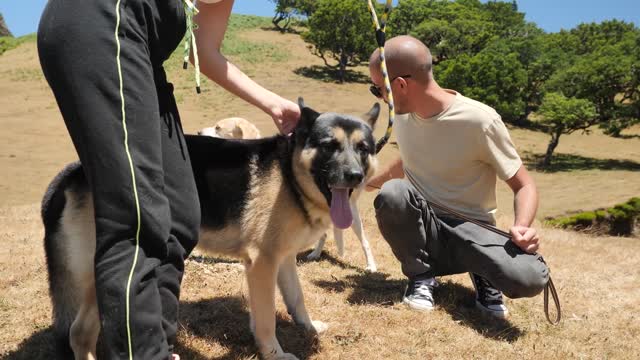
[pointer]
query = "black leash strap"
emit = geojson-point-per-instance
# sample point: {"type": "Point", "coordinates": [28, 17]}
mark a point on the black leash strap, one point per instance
{"type": "Point", "coordinates": [549, 287]}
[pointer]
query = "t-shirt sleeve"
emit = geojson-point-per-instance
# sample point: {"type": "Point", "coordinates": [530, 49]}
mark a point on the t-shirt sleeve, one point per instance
{"type": "Point", "coordinates": [498, 150]}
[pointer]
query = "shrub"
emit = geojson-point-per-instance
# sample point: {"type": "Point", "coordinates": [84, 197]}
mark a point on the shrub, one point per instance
{"type": "Point", "coordinates": [618, 220]}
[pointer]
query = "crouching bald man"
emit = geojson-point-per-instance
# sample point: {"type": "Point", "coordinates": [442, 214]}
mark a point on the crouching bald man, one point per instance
{"type": "Point", "coordinates": [452, 150]}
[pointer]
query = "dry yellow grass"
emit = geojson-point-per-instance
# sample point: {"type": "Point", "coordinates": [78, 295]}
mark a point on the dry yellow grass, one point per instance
{"type": "Point", "coordinates": [597, 277]}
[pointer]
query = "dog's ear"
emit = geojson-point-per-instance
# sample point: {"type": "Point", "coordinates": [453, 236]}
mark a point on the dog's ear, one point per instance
{"type": "Point", "coordinates": [307, 115]}
{"type": "Point", "coordinates": [372, 115]}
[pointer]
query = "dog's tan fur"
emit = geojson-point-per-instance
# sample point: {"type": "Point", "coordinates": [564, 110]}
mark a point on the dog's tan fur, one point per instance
{"type": "Point", "coordinates": [277, 222]}
{"type": "Point", "coordinates": [232, 128]}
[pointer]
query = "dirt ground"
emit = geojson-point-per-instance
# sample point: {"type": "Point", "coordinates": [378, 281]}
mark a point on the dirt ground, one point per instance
{"type": "Point", "coordinates": [597, 277]}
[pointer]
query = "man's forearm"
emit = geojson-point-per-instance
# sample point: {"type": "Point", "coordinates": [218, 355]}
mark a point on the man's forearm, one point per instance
{"type": "Point", "coordinates": [525, 205]}
{"type": "Point", "coordinates": [393, 171]}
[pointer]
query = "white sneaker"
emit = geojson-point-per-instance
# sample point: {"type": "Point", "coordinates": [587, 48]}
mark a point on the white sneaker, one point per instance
{"type": "Point", "coordinates": [488, 298]}
{"type": "Point", "coordinates": [419, 294]}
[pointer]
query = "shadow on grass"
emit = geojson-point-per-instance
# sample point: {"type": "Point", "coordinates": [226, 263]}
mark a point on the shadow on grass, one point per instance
{"type": "Point", "coordinates": [570, 162]}
{"type": "Point", "coordinates": [40, 345]}
{"type": "Point", "coordinates": [367, 288]}
{"type": "Point", "coordinates": [326, 74]}
{"type": "Point", "coordinates": [324, 256]}
{"type": "Point", "coordinates": [288, 30]}
{"type": "Point", "coordinates": [455, 299]}
{"type": "Point", "coordinates": [225, 320]}
{"type": "Point", "coordinates": [459, 302]}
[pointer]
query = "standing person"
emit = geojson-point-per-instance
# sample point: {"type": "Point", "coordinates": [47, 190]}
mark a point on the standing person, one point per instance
{"type": "Point", "coordinates": [104, 62]}
{"type": "Point", "coordinates": [452, 149]}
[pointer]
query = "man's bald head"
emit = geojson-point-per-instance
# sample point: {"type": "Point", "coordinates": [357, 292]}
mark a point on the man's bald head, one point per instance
{"type": "Point", "coordinates": [404, 55]}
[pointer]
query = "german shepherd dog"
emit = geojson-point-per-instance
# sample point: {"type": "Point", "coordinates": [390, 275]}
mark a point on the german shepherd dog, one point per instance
{"type": "Point", "coordinates": [262, 201]}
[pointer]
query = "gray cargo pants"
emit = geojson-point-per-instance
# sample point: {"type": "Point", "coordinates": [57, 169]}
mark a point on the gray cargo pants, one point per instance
{"type": "Point", "coordinates": [428, 245]}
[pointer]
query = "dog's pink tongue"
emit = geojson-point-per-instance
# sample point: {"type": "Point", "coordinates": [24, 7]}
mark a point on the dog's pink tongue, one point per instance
{"type": "Point", "coordinates": [340, 210]}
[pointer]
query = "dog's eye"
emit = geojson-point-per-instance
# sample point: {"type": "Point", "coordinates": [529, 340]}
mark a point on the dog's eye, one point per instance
{"type": "Point", "coordinates": [362, 147]}
{"type": "Point", "coordinates": [330, 145]}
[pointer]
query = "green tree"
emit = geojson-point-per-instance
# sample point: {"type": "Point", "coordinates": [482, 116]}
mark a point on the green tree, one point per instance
{"type": "Point", "coordinates": [562, 115]}
{"type": "Point", "coordinates": [494, 76]}
{"type": "Point", "coordinates": [541, 57]}
{"type": "Point", "coordinates": [341, 30]}
{"type": "Point", "coordinates": [603, 69]}
{"type": "Point", "coordinates": [286, 10]}
{"type": "Point", "coordinates": [410, 13]}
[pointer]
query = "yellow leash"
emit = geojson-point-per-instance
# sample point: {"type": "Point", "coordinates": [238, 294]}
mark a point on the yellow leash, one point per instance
{"type": "Point", "coordinates": [380, 38]}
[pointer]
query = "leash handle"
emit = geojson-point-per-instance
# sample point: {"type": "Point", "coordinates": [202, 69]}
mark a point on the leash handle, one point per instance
{"type": "Point", "coordinates": [380, 27]}
{"type": "Point", "coordinates": [550, 288]}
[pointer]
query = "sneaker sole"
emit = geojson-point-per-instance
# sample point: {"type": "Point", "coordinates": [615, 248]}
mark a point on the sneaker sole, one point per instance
{"type": "Point", "coordinates": [413, 306]}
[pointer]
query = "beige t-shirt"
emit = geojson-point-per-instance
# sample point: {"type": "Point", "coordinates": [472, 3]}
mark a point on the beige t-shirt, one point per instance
{"type": "Point", "coordinates": [453, 158]}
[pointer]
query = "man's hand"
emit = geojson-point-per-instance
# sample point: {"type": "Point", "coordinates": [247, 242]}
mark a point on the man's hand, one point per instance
{"type": "Point", "coordinates": [526, 238]}
{"type": "Point", "coordinates": [286, 115]}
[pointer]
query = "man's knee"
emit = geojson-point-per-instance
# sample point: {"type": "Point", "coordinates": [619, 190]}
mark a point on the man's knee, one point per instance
{"type": "Point", "coordinates": [392, 198]}
{"type": "Point", "coordinates": [527, 281]}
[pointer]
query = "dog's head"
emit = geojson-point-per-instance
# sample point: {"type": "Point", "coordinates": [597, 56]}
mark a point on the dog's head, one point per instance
{"type": "Point", "coordinates": [334, 154]}
{"type": "Point", "coordinates": [232, 128]}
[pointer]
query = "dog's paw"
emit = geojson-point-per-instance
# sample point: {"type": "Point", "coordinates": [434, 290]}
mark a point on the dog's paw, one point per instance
{"type": "Point", "coordinates": [371, 268]}
{"type": "Point", "coordinates": [313, 256]}
{"type": "Point", "coordinates": [318, 326]}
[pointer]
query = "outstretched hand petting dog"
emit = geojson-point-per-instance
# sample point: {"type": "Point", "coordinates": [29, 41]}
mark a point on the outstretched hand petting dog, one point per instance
{"type": "Point", "coordinates": [285, 114]}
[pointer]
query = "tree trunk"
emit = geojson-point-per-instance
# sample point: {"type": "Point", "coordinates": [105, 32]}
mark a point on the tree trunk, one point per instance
{"type": "Point", "coordinates": [278, 18]}
{"type": "Point", "coordinates": [555, 139]}
{"type": "Point", "coordinates": [343, 67]}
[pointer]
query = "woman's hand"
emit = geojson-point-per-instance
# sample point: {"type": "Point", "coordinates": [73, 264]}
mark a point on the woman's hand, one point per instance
{"type": "Point", "coordinates": [285, 114]}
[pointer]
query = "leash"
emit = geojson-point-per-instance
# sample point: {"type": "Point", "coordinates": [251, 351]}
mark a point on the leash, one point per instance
{"type": "Point", "coordinates": [190, 41]}
{"type": "Point", "coordinates": [380, 39]}
{"type": "Point", "coordinates": [549, 288]}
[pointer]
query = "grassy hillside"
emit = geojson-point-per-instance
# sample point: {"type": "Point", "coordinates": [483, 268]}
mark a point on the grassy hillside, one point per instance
{"type": "Point", "coordinates": [597, 276]}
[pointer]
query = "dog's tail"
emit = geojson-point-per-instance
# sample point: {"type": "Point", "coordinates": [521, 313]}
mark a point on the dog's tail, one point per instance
{"type": "Point", "coordinates": [62, 289]}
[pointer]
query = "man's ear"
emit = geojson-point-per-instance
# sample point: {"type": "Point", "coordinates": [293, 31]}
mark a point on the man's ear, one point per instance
{"type": "Point", "coordinates": [372, 115]}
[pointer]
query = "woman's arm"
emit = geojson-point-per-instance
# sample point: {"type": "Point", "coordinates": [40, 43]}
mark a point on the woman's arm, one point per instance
{"type": "Point", "coordinates": [212, 21]}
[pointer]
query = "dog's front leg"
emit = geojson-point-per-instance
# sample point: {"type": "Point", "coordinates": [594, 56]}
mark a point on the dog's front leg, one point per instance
{"type": "Point", "coordinates": [261, 277]}
{"type": "Point", "coordinates": [357, 228]}
{"type": "Point", "coordinates": [315, 254]}
{"type": "Point", "coordinates": [338, 236]}
{"type": "Point", "coordinates": [291, 290]}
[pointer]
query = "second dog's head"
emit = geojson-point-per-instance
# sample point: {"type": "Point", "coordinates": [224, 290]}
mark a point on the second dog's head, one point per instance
{"type": "Point", "coordinates": [232, 128]}
{"type": "Point", "coordinates": [334, 155]}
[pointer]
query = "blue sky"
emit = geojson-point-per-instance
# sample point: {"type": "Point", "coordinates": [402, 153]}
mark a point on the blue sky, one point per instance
{"type": "Point", "coordinates": [552, 15]}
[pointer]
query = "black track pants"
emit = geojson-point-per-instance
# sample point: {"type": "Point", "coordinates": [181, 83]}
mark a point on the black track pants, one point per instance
{"type": "Point", "coordinates": [106, 73]}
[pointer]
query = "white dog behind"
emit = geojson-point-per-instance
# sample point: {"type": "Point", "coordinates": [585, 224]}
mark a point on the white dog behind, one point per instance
{"type": "Point", "coordinates": [232, 128]}
{"type": "Point", "coordinates": [356, 226]}
{"type": "Point", "coordinates": [239, 128]}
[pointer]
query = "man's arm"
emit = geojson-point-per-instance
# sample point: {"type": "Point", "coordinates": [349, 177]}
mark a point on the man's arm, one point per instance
{"type": "Point", "coordinates": [525, 205]}
{"type": "Point", "coordinates": [393, 171]}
